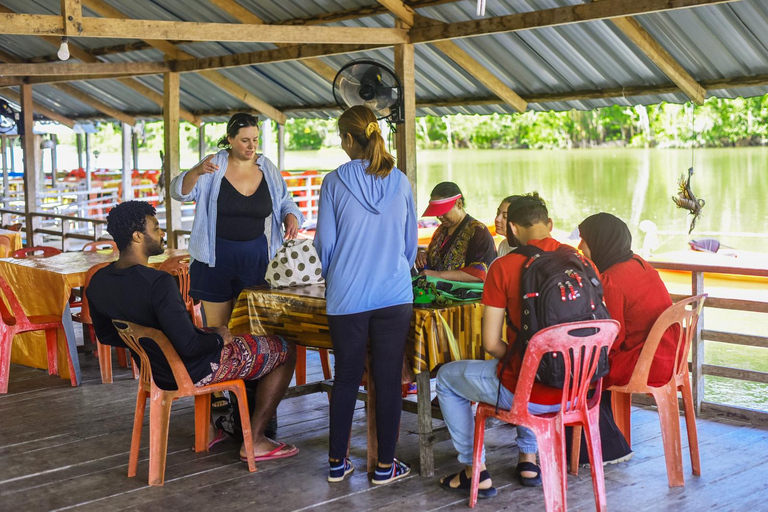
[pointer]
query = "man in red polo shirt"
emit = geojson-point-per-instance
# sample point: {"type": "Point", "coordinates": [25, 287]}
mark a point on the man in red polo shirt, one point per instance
{"type": "Point", "coordinates": [461, 382]}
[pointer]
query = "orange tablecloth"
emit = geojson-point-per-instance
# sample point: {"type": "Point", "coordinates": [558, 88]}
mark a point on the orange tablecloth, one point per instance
{"type": "Point", "coordinates": [15, 236]}
{"type": "Point", "coordinates": [43, 287]}
{"type": "Point", "coordinates": [298, 314]}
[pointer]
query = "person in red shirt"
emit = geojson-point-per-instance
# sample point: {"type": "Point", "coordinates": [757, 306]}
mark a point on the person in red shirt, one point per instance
{"type": "Point", "coordinates": [461, 382]}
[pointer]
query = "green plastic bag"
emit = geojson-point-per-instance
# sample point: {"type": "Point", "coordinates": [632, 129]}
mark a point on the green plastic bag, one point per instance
{"type": "Point", "coordinates": [433, 291]}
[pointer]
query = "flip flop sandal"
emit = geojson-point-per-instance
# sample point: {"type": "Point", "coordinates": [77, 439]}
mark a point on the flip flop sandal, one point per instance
{"type": "Point", "coordinates": [465, 485]}
{"type": "Point", "coordinates": [219, 437]}
{"type": "Point", "coordinates": [274, 454]}
{"type": "Point", "coordinates": [223, 401]}
{"type": "Point", "coordinates": [528, 466]}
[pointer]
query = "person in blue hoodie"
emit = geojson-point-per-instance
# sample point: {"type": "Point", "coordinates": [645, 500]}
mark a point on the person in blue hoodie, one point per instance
{"type": "Point", "coordinates": [367, 241]}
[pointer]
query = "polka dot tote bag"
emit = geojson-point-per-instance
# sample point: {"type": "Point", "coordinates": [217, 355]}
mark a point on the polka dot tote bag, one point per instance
{"type": "Point", "coordinates": [295, 264]}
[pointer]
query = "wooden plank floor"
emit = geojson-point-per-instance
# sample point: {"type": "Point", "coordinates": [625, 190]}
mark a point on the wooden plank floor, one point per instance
{"type": "Point", "coordinates": [65, 448]}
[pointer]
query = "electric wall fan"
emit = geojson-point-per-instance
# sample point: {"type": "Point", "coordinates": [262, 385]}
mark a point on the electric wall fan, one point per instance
{"type": "Point", "coordinates": [373, 84]}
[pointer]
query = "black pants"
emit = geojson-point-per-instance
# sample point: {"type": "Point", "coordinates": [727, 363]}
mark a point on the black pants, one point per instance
{"type": "Point", "coordinates": [611, 439]}
{"type": "Point", "coordinates": [387, 329]}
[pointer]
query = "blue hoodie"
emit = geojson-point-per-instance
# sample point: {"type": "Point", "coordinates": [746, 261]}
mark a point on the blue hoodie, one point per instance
{"type": "Point", "coordinates": [367, 239]}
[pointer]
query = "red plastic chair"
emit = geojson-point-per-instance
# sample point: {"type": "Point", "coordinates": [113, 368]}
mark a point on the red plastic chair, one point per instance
{"type": "Point", "coordinates": [301, 364]}
{"type": "Point", "coordinates": [15, 321]}
{"type": "Point", "coordinates": [161, 400]}
{"type": "Point", "coordinates": [14, 227]}
{"type": "Point", "coordinates": [101, 245]}
{"type": "Point", "coordinates": [104, 352]}
{"type": "Point", "coordinates": [666, 396]}
{"type": "Point", "coordinates": [42, 251]}
{"type": "Point", "coordinates": [5, 246]}
{"type": "Point", "coordinates": [178, 266]}
{"type": "Point", "coordinates": [575, 408]}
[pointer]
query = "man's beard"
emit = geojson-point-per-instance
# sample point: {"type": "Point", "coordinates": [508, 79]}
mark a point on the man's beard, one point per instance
{"type": "Point", "coordinates": [155, 248]}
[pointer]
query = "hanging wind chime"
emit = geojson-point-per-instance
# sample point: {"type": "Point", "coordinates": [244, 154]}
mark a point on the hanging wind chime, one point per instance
{"type": "Point", "coordinates": [685, 198]}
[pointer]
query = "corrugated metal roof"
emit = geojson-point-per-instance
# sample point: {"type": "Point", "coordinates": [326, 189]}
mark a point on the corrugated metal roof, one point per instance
{"type": "Point", "coordinates": [710, 42]}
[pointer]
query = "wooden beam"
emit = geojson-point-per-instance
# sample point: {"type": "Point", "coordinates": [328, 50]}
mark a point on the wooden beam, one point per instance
{"type": "Point", "coordinates": [156, 97]}
{"type": "Point", "coordinates": [399, 9]}
{"type": "Point", "coordinates": [7, 81]}
{"type": "Point", "coordinates": [171, 165]}
{"type": "Point", "coordinates": [28, 148]}
{"type": "Point", "coordinates": [114, 28]}
{"type": "Point", "coordinates": [579, 13]}
{"type": "Point", "coordinates": [405, 137]}
{"type": "Point", "coordinates": [76, 68]}
{"type": "Point", "coordinates": [52, 79]}
{"type": "Point", "coordinates": [243, 15]}
{"type": "Point", "coordinates": [104, 9]}
{"type": "Point", "coordinates": [485, 77]}
{"type": "Point", "coordinates": [72, 14]}
{"type": "Point", "coordinates": [666, 63]}
{"type": "Point", "coordinates": [358, 12]}
{"type": "Point", "coordinates": [98, 105]}
{"type": "Point", "coordinates": [40, 109]}
{"type": "Point", "coordinates": [7, 57]}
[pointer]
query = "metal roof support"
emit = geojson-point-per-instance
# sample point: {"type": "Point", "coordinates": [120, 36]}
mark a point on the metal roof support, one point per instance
{"type": "Point", "coordinates": [405, 138]}
{"type": "Point", "coordinates": [171, 164]}
{"type": "Point", "coordinates": [281, 147]}
{"type": "Point", "coordinates": [126, 176]}
{"type": "Point", "coordinates": [666, 63]}
{"type": "Point", "coordinates": [30, 164]}
{"type": "Point", "coordinates": [92, 102]}
{"type": "Point", "coordinates": [40, 109]}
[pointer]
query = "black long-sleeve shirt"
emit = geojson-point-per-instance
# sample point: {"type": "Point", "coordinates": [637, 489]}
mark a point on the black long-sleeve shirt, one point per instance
{"type": "Point", "coordinates": [151, 298]}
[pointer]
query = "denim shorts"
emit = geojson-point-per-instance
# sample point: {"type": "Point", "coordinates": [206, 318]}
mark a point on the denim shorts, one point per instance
{"type": "Point", "coordinates": [239, 265]}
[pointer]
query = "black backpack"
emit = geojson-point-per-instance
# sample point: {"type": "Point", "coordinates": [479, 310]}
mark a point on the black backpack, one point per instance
{"type": "Point", "coordinates": [557, 287]}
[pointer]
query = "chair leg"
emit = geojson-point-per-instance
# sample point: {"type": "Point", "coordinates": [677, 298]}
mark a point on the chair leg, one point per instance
{"type": "Point", "coordinates": [621, 404]}
{"type": "Point", "coordinates": [105, 362]}
{"type": "Point", "coordinates": [122, 359]}
{"type": "Point", "coordinates": [245, 422]}
{"type": "Point", "coordinates": [575, 449]}
{"type": "Point", "coordinates": [301, 365]}
{"type": "Point", "coordinates": [690, 425]}
{"type": "Point", "coordinates": [202, 421]}
{"type": "Point", "coordinates": [6, 340]}
{"type": "Point", "coordinates": [71, 367]}
{"type": "Point", "coordinates": [325, 361]}
{"type": "Point", "coordinates": [669, 417]}
{"type": "Point", "coordinates": [553, 466]}
{"type": "Point", "coordinates": [159, 418]}
{"type": "Point", "coordinates": [52, 342]}
{"type": "Point", "coordinates": [477, 453]}
{"type": "Point", "coordinates": [135, 369]}
{"type": "Point", "coordinates": [595, 451]}
{"type": "Point", "coordinates": [138, 423]}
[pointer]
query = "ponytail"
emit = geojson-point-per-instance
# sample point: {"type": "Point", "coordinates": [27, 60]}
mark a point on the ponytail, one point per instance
{"type": "Point", "coordinates": [360, 122]}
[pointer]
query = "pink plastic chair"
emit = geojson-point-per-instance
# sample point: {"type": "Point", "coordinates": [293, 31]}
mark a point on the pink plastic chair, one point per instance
{"type": "Point", "coordinates": [575, 408]}
{"type": "Point", "coordinates": [101, 245]}
{"type": "Point", "coordinates": [15, 321]}
{"type": "Point", "coordinates": [41, 250]}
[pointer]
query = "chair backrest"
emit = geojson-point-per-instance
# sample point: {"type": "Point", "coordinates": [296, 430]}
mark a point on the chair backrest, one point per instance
{"type": "Point", "coordinates": [686, 315]}
{"type": "Point", "coordinates": [14, 227]}
{"type": "Point", "coordinates": [85, 309]}
{"type": "Point", "coordinates": [132, 333]}
{"type": "Point", "coordinates": [41, 250]}
{"type": "Point", "coordinates": [179, 266]}
{"type": "Point", "coordinates": [5, 246]}
{"type": "Point", "coordinates": [101, 245]}
{"type": "Point", "coordinates": [15, 315]}
{"type": "Point", "coordinates": [579, 343]}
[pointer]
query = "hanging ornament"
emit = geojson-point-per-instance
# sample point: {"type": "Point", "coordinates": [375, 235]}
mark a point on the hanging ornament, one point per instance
{"type": "Point", "coordinates": [687, 200]}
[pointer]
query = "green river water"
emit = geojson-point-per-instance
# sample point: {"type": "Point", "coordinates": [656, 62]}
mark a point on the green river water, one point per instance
{"type": "Point", "coordinates": [633, 184]}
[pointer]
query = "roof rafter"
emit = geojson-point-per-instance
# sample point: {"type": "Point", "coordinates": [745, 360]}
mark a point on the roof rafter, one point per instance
{"type": "Point", "coordinates": [40, 109]}
{"type": "Point", "coordinates": [234, 89]}
{"type": "Point", "coordinates": [665, 62]}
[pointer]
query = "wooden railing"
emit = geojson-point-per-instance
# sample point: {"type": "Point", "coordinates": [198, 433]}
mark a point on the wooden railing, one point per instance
{"type": "Point", "coordinates": [66, 227]}
{"type": "Point", "coordinates": [699, 368]}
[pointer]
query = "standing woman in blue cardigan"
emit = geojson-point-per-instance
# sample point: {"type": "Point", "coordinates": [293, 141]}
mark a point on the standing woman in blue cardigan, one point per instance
{"type": "Point", "coordinates": [367, 240]}
{"type": "Point", "coordinates": [242, 205]}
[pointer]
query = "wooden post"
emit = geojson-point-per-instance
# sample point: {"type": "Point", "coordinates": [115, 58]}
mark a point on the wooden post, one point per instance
{"type": "Point", "coordinates": [281, 147]}
{"type": "Point", "coordinates": [54, 159]}
{"type": "Point", "coordinates": [266, 136]}
{"type": "Point", "coordinates": [79, 141]}
{"type": "Point", "coordinates": [171, 167]}
{"type": "Point", "coordinates": [13, 160]}
{"type": "Point", "coordinates": [127, 192]}
{"type": "Point", "coordinates": [201, 145]}
{"type": "Point", "coordinates": [88, 168]}
{"type": "Point", "coordinates": [697, 348]}
{"type": "Point", "coordinates": [3, 140]}
{"type": "Point", "coordinates": [29, 154]}
{"type": "Point", "coordinates": [135, 149]}
{"type": "Point", "coordinates": [406, 131]}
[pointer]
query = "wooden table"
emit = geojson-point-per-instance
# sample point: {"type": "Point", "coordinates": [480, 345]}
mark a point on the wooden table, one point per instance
{"type": "Point", "coordinates": [298, 314]}
{"type": "Point", "coordinates": [43, 287]}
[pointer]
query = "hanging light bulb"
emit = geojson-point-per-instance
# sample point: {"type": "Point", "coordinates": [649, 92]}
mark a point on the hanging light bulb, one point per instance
{"type": "Point", "coordinates": [63, 52]}
{"type": "Point", "coordinates": [480, 8]}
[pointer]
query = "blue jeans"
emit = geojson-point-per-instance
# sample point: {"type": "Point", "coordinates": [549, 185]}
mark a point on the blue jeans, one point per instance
{"type": "Point", "coordinates": [462, 382]}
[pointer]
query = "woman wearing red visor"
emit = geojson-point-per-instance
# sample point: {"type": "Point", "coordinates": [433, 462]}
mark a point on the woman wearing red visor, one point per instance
{"type": "Point", "coordinates": [462, 248]}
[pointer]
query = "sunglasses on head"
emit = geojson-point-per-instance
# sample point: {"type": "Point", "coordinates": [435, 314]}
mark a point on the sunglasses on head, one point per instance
{"type": "Point", "coordinates": [243, 120]}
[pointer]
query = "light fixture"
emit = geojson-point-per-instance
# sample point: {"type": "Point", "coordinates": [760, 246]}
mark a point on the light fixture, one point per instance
{"type": "Point", "coordinates": [63, 52]}
{"type": "Point", "coordinates": [480, 8]}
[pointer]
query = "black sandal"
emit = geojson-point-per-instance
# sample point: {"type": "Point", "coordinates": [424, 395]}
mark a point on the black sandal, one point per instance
{"type": "Point", "coordinates": [220, 403]}
{"type": "Point", "coordinates": [528, 466]}
{"type": "Point", "coordinates": [465, 485]}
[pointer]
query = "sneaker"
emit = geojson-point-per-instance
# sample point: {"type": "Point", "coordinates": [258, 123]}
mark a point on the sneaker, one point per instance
{"type": "Point", "coordinates": [340, 472]}
{"type": "Point", "coordinates": [623, 458]}
{"type": "Point", "coordinates": [397, 471]}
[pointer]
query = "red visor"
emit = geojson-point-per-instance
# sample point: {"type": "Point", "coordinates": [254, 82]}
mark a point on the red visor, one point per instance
{"type": "Point", "coordinates": [439, 207]}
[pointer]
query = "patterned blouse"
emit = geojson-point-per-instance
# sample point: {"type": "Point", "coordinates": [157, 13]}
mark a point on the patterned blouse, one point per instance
{"type": "Point", "coordinates": [470, 249]}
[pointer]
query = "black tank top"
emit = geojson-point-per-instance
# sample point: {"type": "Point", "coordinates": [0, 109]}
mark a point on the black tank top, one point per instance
{"type": "Point", "coordinates": [241, 218]}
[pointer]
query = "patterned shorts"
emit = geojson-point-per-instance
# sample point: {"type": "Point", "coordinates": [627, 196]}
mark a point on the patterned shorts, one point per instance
{"type": "Point", "coordinates": [248, 357]}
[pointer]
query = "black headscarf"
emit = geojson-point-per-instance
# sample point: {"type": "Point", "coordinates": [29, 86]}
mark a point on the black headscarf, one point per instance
{"type": "Point", "coordinates": [608, 238]}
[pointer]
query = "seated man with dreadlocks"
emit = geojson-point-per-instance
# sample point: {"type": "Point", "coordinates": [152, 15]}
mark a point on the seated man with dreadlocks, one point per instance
{"type": "Point", "coordinates": [128, 289]}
